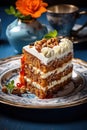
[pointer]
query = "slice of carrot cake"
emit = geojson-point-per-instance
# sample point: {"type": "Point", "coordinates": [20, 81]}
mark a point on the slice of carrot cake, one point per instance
{"type": "Point", "coordinates": [46, 66]}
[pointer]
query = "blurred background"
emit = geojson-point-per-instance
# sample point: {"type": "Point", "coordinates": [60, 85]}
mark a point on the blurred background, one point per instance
{"type": "Point", "coordinates": [80, 3]}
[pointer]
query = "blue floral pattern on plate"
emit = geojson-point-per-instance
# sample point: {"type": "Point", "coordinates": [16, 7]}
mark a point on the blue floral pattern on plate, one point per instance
{"type": "Point", "coordinates": [73, 94]}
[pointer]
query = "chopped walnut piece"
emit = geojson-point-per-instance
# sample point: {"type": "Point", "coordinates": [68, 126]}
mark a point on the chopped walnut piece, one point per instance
{"type": "Point", "coordinates": [46, 43]}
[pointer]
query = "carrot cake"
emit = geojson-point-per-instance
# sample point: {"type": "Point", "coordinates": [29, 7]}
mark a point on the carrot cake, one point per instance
{"type": "Point", "coordinates": [46, 66]}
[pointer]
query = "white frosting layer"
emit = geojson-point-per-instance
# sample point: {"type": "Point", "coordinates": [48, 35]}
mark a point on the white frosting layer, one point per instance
{"type": "Point", "coordinates": [48, 54]}
{"type": "Point", "coordinates": [52, 84]}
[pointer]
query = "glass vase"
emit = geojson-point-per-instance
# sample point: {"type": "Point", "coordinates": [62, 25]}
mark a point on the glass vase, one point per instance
{"type": "Point", "coordinates": [20, 33]}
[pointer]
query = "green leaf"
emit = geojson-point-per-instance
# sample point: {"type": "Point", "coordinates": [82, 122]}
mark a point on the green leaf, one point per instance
{"type": "Point", "coordinates": [8, 11]}
{"type": "Point", "coordinates": [10, 86]}
{"type": "Point", "coordinates": [17, 14]}
{"type": "Point", "coordinates": [51, 34]}
{"type": "Point", "coordinates": [11, 11]}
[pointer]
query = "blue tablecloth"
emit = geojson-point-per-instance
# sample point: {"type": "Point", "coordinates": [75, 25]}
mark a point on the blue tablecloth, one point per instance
{"type": "Point", "coordinates": [13, 118]}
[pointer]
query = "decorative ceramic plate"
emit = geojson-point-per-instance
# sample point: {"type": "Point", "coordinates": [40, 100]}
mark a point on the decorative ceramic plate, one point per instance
{"type": "Point", "coordinates": [74, 93]}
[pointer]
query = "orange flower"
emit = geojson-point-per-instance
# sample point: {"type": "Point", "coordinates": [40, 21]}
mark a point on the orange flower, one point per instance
{"type": "Point", "coordinates": [31, 7]}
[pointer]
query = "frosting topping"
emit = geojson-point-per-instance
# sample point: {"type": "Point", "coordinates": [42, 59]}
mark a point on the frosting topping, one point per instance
{"type": "Point", "coordinates": [47, 50]}
{"type": "Point", "coordinates": [63, 46]}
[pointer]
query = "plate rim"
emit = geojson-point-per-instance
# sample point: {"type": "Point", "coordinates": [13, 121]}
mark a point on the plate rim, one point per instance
{"type": "Point", "coordinates": [75, 103]}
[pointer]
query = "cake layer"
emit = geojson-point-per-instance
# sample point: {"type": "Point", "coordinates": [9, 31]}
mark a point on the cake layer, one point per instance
{"type": "Point", "coordinates": [41, 93]}
{"type": "Point", "coordinates": [30, 69]}
{"type": "Point", "coordinates": [32, 61]}
{"type": "Point", "coordinates": [31, 77]}
{"type": "Point", "coordinates": [45, 82]}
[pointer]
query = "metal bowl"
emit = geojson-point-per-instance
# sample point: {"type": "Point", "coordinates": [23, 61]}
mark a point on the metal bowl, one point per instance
{"type": "Point", "coordinates": [62, 18]}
